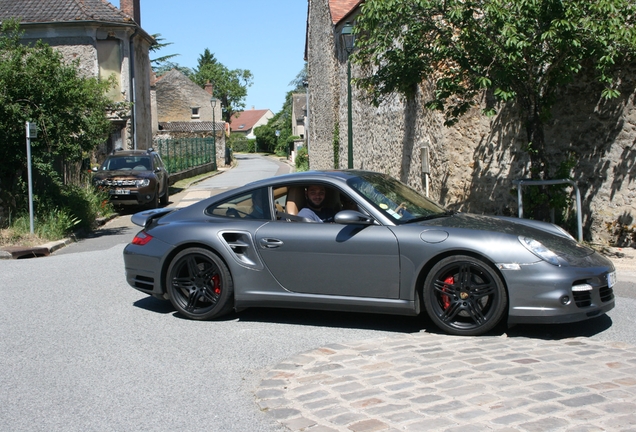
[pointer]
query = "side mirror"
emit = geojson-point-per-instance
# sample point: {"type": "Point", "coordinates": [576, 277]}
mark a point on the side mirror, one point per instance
{"type": "Point", "coordinates": [94, 169]}
{"type": "Point", "coordinates": [352, 217]}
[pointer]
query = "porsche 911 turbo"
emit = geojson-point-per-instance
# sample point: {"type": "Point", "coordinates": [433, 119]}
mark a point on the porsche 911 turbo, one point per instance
{"type": "Point", "coordinates": [385, 249]}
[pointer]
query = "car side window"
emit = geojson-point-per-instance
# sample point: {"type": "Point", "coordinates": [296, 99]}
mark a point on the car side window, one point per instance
{"type": "Point", "coordinates": [290, 200]}
{"type": "Point", "coordinates": [250, 205]}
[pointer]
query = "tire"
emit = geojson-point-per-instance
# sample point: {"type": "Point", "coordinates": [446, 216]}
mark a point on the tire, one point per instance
{"type": "Point", "coordinates": [464, 296]}
{"type": "Point", "coordinates": [199, 284]}
{"type": "Point", "coordinates": [154, 203]}
{"type": "Point", "coordinates": [165, 199]}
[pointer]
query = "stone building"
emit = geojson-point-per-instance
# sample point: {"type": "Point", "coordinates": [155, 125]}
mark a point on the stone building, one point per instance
{"type": "Point", "coordinates": [106, 41]}
{"type": "Point", "coordinates": [474, 163]}
{"type": "Point", "coordinates": [299, 114]}
{"type": "Point", "coordinates": [183, 109]}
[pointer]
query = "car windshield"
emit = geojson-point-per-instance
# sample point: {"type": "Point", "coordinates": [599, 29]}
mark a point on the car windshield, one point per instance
{"type": "Point", "coordinates": [397, 200]}
{"type": "Point", "coordinates": [139, 163]}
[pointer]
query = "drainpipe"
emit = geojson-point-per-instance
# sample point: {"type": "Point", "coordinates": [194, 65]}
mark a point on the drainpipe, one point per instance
{"type": "Point", "coordinates": [133, 92]}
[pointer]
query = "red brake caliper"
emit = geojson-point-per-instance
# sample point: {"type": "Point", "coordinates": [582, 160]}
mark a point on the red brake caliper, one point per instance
{"type": "Point", "coordinates": [446, 299]}
{"type": "Point", "coordinates": [216, 281]}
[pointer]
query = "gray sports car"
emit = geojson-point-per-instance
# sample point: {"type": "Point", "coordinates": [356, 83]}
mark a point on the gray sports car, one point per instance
{"type": "Point", "coordinates": [379, 247]}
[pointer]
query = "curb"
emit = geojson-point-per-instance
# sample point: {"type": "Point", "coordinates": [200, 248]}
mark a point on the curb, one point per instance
{"type": "Point", "coordinates": [22, 252]}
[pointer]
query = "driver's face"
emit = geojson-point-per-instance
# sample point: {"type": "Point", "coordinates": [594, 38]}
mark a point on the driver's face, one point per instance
{"type": "Point", "coordinates": [316, 195]}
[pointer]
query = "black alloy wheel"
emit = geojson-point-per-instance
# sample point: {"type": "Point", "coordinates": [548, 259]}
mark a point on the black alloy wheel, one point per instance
{"type": "Point", "coordinates": [464, 296]}
{"type": "Point", "coordinates": [199, 284]}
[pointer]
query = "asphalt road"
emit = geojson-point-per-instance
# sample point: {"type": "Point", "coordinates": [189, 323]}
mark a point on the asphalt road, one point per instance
{"type": "Point", "coordinates": [82, 351]}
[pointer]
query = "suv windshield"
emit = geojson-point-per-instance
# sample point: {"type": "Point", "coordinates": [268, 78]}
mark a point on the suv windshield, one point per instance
{"type": "Point", "coordinates": [397, 200]}
{"type": "Point", "coordinates": [138, 163]}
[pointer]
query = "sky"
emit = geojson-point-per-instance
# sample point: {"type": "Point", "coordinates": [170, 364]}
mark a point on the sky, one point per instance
{"type": "Point", "coordinates": [266, 37]}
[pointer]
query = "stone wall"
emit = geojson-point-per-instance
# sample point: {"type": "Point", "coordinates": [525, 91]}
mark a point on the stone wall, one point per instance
{"type": "Point", "coordinates": [474, 163]}
{"type": "Point", "coordinates": [322, 67]}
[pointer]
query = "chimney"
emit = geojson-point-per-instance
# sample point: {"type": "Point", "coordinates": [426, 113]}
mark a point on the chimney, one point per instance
{"type": "Point", "coordinates": [131, 8]}
{"type": "Point", "coordinates": [209, 87]}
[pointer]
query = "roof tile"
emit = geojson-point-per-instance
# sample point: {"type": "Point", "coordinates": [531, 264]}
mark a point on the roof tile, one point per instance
{"type": "Point", "coordinates": [247, 119]}
{"type": "Point", "coordinates": [342, 8]}
{"type": "Point", "coordinates": [36, 11]}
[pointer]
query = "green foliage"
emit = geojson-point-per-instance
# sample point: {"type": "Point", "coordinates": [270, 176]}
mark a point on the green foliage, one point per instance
{"type": "Point", "coordinates": [302, 159]}
{"type": "Point", "coordinates": [282, 120]}
{"type": "Point", "coordinates": [298, 83]}
{"type": "Point", "coordinates": [78, 208]}
{"type": "Point", "coordinates": [167, 66]}
{"type": "Point", "coordinates": [239, 143]}
{"type": "Point", "coordinates": [230, 86]}
{"type": "Point", "coordinates": [265, 138]}
{"type": "Point", "coordinates": [70, 112]}
{"type": "Point", "coordinates": [157, 46]}
{"type": "Point", "coordinates": [521, 50]}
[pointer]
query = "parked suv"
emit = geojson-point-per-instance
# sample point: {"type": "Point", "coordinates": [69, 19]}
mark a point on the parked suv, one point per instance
{"type": "Point", "coordinates": [134, 177]}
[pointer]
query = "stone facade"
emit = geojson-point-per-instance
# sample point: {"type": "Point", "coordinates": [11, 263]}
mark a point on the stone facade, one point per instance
{"type": "Point", "coordinates": [177, 95]}
{"type": "Point", "coordinates": [474, 163]}
{"type": "Point", "coordinates": [183, 110]}
{"type": "Point", "coordinates": [105, 41]}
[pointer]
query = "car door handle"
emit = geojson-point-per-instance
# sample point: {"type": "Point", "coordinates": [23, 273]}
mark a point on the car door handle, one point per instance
{"type": "Point", "coordinates": [270, 243]}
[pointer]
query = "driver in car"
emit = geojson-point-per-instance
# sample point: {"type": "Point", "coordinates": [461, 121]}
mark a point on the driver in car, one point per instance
{"type": "Point", "coordinates": [315, 210]}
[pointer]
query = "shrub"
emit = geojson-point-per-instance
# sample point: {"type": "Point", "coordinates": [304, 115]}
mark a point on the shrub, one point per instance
{"type": "Point", "coordinates": [302, 159]}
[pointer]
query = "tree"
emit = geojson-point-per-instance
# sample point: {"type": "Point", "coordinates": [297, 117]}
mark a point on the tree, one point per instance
{"type": "Point", "coordinates": [168, 66]}
{"type": "Point", "coordinates": [298, 83]}
{"type": "Point", "coordinates": [282, 120]}
{"type": "Point", "coordinates": [155, 47]}
{"type": "Point", "coordinates": [229, 86]}
{"type": "Point", "coordinates": [265, 138]}
{"type": "Point", "coordinates": [521, 51]}
{"type": "Point", "coordinates": [69, 110]}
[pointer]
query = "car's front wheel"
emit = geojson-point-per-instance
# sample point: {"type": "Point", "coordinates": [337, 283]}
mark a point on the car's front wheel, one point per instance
{"type": "Point", "coordinates": [464, 296]}
{"type": "Point", "coordinates": [165, 199]}
{"type": "Point", "coordinates": [199, 284]}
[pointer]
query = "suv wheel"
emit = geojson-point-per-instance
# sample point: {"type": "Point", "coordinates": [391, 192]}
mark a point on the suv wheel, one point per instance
{"type": "Point", "coordinates": [165, 199]}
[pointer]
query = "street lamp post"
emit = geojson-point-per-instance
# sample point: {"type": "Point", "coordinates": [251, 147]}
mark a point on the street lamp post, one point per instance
{"type": "Point", "coordinates": [348, 39]}
{"type": "Point", "coordinates": [213, 101]}
{"type": "Point", "coordinates": [277, 133]}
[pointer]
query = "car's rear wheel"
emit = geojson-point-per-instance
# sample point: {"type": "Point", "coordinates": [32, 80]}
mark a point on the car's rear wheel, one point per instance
{"type": "Point", "coordinates": [199, 284]}
{"type": "Point", "coordinates": [464, 296]}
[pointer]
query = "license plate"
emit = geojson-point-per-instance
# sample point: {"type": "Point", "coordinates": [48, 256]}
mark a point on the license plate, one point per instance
{"type": "Point", "coordinates": [611, 279]}
{"type": "Point", "coordinates": [120, 192]}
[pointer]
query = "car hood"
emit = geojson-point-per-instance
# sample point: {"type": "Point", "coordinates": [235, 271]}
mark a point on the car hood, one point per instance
{"type": "Point", "coordinates": [123, 173]}
{"type": "Point", "coordinates": [543, 232]}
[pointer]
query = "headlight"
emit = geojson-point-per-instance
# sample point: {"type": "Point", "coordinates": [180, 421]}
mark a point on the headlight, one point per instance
{"type": "Point", "coordinates": [539, 250]}
{"type": "Point", "coordinates": [143, 183]}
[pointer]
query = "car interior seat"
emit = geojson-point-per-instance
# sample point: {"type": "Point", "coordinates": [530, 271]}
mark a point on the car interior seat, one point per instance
{"type": "Point", "coordinates": [295, 200]}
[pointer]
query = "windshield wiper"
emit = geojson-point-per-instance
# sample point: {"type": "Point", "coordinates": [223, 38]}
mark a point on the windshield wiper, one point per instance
{"type": "Point", "coordinates": [432, 216]}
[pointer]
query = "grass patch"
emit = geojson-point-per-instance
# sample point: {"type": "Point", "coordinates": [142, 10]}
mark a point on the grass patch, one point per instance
{"type": "Point", "coordinates": [79, 208]}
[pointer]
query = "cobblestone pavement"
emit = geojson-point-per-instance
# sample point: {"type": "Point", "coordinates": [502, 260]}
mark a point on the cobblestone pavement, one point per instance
{"type": "Point", "coordinates": [431, 382]}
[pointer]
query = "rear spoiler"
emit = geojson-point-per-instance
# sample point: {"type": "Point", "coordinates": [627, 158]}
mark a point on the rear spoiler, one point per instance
{"type": "Point", "coordinates": [145, 218]}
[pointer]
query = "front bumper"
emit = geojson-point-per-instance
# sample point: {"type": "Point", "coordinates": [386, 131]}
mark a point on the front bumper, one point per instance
{"type": "Point", "coordinates": [545, 294]}
{"type": "Point", "coordinates": [131, 196]}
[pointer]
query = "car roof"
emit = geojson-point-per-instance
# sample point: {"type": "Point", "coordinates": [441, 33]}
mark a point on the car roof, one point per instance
{"type": "Point", "coordinates": [131, 153]}
{"type": "Point", "coordinates": [308, 176]}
